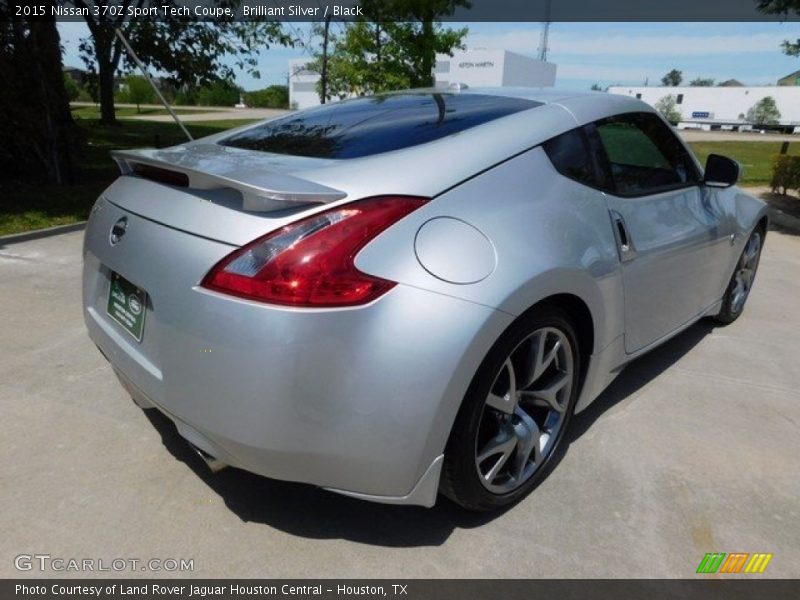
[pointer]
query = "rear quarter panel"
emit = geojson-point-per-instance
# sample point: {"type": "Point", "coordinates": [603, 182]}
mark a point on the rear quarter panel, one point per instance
{"type": "Point", "coordinates": [551, 236]}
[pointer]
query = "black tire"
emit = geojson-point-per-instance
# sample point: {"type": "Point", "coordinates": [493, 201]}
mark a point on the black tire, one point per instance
{"type": "Point", "coordinates": [460, 478]}
{"type": "Point", "coordinates": [731, 310]}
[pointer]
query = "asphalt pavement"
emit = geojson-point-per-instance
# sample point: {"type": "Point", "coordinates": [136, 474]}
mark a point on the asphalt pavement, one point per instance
{"type": "Point", "coordinates": [695, 448]}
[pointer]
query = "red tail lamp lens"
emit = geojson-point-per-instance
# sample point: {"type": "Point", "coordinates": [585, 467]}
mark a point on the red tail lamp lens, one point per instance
{"type": "Point", "coordinates": [311, 263]}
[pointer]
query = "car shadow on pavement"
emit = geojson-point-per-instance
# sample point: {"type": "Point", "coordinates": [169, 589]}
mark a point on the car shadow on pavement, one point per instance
{"type": "Point", "coordinates": [306, 511]}
{"type": "Point", "coordinates": [639, 373]}
{"type": "Point", "coordinates": [311, 512]}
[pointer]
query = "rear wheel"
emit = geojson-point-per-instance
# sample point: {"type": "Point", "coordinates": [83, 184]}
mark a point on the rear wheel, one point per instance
{"type": "Point", "coordinates": [515, 413]}
{"type": "Point", "coordinates": [742, 279]}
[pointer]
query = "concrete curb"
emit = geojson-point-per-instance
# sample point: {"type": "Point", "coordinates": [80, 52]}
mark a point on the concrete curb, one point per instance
{"type": "Point", "coordinates": [36, 234]}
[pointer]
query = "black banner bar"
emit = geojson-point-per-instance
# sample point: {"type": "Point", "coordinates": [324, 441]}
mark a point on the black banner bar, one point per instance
{"type": "Point", "coordinates": [113, 11]}
{"type": "Point", "coordinates": [479, 589]}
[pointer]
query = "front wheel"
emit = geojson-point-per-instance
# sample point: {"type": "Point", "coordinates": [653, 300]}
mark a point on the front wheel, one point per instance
{"type": "Point", "coordinates": [514, 414]}
{"type": "Point", "coordinates": [742, 279]}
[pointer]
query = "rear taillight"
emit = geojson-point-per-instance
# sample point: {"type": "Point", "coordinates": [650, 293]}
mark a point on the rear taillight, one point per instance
{"type": "Point", "coordinates": [312, 262]}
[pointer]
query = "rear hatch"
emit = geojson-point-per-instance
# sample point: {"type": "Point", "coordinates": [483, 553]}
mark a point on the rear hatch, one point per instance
{"type": "Point", "coordinates": [238, 185]}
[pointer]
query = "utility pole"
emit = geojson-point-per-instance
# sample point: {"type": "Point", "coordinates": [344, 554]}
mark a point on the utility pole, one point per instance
{"type": "Point", "coordinates": [545, 33]}
{"type": "Point", "coordinates": [324, 74]}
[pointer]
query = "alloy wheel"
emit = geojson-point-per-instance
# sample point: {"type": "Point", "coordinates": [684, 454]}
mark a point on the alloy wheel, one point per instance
{"type": "Point", "coordinates": [745, 272]}
{"type": "Point", "coordinates": [525, 410]}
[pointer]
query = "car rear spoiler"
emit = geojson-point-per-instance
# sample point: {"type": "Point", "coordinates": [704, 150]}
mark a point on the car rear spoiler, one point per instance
{"type": "Point", "coordinates": [262, 189]}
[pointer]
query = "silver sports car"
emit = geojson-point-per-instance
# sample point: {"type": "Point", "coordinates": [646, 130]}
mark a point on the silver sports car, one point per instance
{"type": "Point", "coordinates": [406, 294]}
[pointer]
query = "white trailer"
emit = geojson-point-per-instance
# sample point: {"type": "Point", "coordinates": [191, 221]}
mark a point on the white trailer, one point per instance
{"type": "Point", "coordinates": [709, 108]}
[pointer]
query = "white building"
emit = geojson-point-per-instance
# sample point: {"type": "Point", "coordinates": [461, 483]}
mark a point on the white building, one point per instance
{"type": "Point", "coordinates": [720, 107]}
{"type": "Point", "coordinates": [302, 84]}
{"type": "Point", "coordinates": [476, 68]}
{"type": "Point", "coordinates": [493, 68]}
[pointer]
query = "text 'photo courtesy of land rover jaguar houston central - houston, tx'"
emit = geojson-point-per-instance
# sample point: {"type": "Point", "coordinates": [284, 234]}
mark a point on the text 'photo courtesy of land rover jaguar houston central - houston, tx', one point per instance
{"type": "Point", "coordinates": [400, 295]}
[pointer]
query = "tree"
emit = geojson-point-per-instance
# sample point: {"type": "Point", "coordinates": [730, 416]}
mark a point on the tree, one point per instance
{"type": "Point", "coordinates": [673, 78]}
{"type": "Point", "coordinates": [393, 46]}
{"type": "Point", "coordinates": [668, 107]}
{"type": "Point", "coordinates": [188, 50]}
{"type": "Point", "coordinates": [364, 61]}
{"type": "Point", "coordinates": [783, 8]}
{"type": "Point", "coordinates": [596, 87]}
{"type": "Point", "coordinates": [71, 88]}
{"type": "Point", "coordinates": [764, 112]}
{"type": "Point", "coordinates": [34, 102]}
{"type": "Point", "coordinates": [221, 92]}
{"type": "Point", "coordinates": [702, 82]}
{"type": "Point", "coordinates": [139, 90]}
{"type": "Point", "coordinates": [274, 96]}
{"type": "Point", "coordinates": [430, 38]}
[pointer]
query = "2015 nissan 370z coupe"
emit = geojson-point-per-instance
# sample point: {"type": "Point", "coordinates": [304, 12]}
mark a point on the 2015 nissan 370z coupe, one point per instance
{"type": "Point", "coordinates": [411, 293]}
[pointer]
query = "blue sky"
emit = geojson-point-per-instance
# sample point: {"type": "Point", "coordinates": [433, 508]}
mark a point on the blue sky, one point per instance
{"type": "Point", "coordinates": [606, 53]}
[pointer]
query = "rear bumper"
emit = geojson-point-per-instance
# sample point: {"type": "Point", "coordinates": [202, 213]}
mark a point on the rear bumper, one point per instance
{"type": "Point", "coordinates": [423, 493]}
{"type": "Point", "coordinates": [359, 401]}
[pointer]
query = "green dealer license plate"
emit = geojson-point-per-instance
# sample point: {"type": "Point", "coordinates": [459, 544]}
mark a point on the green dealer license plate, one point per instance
{"type": "Point", "coordinates": [126, 305]}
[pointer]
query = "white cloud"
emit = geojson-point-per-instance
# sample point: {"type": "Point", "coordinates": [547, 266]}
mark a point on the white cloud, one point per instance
{"type": "Point", "coordinates": [526, 41]}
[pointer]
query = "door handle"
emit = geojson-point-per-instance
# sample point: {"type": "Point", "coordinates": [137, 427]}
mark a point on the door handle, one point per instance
{"type": "Point", "coordinates": [624, 242]}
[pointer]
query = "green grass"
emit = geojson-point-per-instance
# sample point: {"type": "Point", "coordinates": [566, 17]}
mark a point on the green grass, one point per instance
{"type": "Point", "coordinates": [755, 158]}
{"type": "Point", "coordinates": [627, 144]}
{"type": "Point", "coordinates": [28, 205]}
{"type": "Point", "coordinates": [126, 112]}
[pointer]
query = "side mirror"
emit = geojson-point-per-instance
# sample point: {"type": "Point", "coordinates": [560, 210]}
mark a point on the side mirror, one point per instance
{"type": "Point", "coordinates": [721, 171]}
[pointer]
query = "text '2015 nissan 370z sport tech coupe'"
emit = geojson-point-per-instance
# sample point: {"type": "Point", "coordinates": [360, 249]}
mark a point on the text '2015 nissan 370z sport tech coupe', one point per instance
{"type": "Point", "coordinates": [400, 295]}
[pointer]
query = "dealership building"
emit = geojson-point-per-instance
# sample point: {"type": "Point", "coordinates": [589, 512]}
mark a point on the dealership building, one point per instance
{"type": "Point", "coordinates": [302, 84]}
{"type": "Point", "coordinates": [493, 68]}
{"type": "Point", "coordinates": [475, 68]}
{"type": "Point", "coordinates": [721, 107]}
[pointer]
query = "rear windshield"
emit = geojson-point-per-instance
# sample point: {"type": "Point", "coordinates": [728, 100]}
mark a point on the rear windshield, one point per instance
{"type": "Point", "coordinates": [366, 126]}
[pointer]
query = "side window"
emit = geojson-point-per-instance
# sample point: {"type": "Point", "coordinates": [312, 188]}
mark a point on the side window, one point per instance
{"type": "Point", "coordinates": [644, 156]}
{"type": "Point", "coordinates": [570, 157]}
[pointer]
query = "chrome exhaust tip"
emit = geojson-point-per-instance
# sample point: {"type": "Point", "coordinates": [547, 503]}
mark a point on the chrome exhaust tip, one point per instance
{"type": "Point", "coordinates": [214, 464]}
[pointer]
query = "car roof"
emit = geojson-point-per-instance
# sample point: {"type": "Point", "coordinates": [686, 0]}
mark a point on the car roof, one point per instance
{"type": "Point", "coordinates": [443, 163]}
{"type": "Point", "coordinates": [584, 106]}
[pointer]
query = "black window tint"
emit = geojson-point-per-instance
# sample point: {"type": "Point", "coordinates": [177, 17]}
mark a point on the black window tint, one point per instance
{"type": "Point", "coordinates": [644, 155]}
{"type": "Point", "coordinates": [570, 157]}
{"type": "Point", "coordinates": [679, 99]}
{"type": "Point", "coordinates": [366, 126]}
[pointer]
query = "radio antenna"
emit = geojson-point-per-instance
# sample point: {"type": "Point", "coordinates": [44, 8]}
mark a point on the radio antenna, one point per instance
{"type": "Point", "coordinates": [152, 83]}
